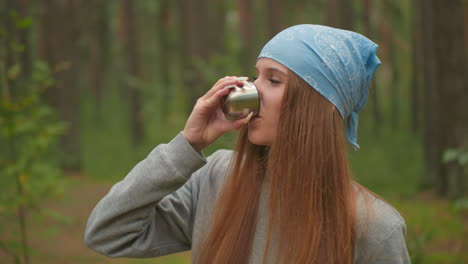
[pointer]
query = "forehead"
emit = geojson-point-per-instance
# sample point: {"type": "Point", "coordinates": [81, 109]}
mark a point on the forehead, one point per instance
{"type": "Point", "coordinates": [265, 64]}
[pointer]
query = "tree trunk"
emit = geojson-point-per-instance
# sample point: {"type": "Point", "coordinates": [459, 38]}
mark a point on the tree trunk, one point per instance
{"type": "Point", "coordinates": [432, 144]}
{"type": "Point", "coordinates": [389, 37]}
{"type": "Point", "coordinates": [299, 12]}
{"type": "Point", "coordinates": [451, 90]}
{"type": "Point", "coordinates": [466, 35]}
{"type": "Point", "coordinates": [165, 52]}
{"type": "Point", "coordinates": [203, 35]}
{"type": "Point", "coordinates": [246, 26]}
{"type": "Point", "coordinates": [98, 39]}
{"type": "Point", "coordinates": [394, 86]}
{"type": "Point", "coordinates": [24, 38]}
{"type": "Point", "coordinates": [274, 17]}
{"type": "Point", "coordinates": [215, 26]}
{"type": "Point", "coordinates": [130, 44]}
{"type": "Point", "coordinates": [58, 47]}
{"type": "Point", "coordinates": [416, 58]}
{"type": "Point", "coordinates": [7, 50]}
{"type": "Point", "coordinates": [192, 48]}
{"type": "Point", "coordinates": [374, 92]}
{"type": "Point", "coordinates": [340, 14]}
{"type": "Point", "coordinates": [8, 58]}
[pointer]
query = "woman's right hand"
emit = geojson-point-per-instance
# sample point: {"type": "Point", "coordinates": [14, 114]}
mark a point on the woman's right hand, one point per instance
{"type": "Point", "coordinates": [207, 123]}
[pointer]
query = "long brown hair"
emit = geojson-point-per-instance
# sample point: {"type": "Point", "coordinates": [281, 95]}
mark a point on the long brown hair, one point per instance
{"type": "Point", "coordinates": [311, 212]}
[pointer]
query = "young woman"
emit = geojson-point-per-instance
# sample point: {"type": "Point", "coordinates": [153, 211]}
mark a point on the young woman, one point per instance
{"type": "Point", "coordinates": [285, 195]}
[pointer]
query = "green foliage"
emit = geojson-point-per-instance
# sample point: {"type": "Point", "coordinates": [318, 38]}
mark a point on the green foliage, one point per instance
{"type": "Point", "coordinates": [389, 162]}
{"type": "Point", "coordinates": [434, 231]}
{"type": "Point", "coordinates": [106, 151]}
{"type": "Point", "coordinates": [461, 205]}
{"type": "Point", "coordinates": [457, 155]}
{"type": "Point", "coordinates": [29, 134]}
{"type": "Point", "coordinates": [416, 246]}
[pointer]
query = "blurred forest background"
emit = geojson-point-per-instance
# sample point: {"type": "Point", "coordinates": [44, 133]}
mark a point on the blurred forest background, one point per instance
{"type": "Point", "coordinates": [88, 88]}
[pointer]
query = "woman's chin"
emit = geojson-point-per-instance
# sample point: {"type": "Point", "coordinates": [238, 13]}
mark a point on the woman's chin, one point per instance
{"type": "Point", "coordinates": [258, 138]}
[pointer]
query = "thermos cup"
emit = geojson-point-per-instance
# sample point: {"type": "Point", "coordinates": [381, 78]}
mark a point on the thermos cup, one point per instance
{"type": "Point", "coordinates": [241, 101]}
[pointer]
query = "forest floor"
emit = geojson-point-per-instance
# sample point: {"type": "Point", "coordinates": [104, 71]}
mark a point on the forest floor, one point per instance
{"type": "Point", "coordinates": [436, 232]}
{"type": "Point", "coordinates": [58, 238]}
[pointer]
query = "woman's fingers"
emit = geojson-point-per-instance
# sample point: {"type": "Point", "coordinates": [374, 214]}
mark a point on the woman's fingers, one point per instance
{"type": "Point", "coordinates": [215, 99]}
{"type": "Point", "coordinates": [206, 122]}
{"type": "Point", "coordinates": [236, 124]}
{"type": "Point", "coordinates": [223, 82]}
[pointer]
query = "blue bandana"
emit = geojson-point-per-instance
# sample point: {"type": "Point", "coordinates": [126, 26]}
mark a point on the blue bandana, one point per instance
{"type": "Point", "coordinates": [339, 64]}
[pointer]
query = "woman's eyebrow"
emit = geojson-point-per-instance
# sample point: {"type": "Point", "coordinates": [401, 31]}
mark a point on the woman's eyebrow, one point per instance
{"type": "Point", "coordinates": [277, 70]}
{"type": "Point", "coordinates": [273, 69]}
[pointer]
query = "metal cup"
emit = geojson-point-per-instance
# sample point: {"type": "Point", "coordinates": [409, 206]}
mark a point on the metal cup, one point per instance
{"type": "Point", "coordinates": [241, 101]}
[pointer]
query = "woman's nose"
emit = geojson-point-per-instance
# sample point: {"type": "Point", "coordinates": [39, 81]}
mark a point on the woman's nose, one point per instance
{"type": "Point", "coordinates": [257, 85]}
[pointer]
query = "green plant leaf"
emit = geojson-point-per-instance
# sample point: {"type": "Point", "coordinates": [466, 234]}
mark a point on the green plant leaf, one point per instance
{"type": "Point", "coordinates": [463, 159]}
{"type": "Point", "coordinates": [58, 217]}
{"type": "Point", "coordinates": [450, 155]}
{"type": "Point", "coordinates": [51, 231]}
{"type": "Point", "coordinates": [14, 71]}
{"type": "Point", "coordinates": [24, 23]}
{"type": "Point", "coordinates": [460, 205]}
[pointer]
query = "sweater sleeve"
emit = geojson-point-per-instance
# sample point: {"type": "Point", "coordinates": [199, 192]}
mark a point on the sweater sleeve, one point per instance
{"type": "Point", "coordinates": [384, 245]}
{"type": "Point", "coordinates": [392, 250]}
{"type": "Point", "coordinates": [151, 211]}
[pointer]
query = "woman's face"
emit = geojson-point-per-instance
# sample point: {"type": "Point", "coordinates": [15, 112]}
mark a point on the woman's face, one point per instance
{"type": "Point", "coordinates": [271, 84]}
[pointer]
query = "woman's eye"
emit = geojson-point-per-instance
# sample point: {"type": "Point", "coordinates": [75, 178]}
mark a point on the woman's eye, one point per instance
{"type": "Point", "coordinates": [273, 81]}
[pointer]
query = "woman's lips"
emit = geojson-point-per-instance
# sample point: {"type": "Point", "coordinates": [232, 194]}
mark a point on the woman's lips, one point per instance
{"type": "Point", "coordinates": [256, 118]}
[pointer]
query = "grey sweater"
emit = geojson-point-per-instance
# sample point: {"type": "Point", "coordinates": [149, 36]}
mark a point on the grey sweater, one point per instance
{"type": "Point", "coordinates": [165, 205]}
